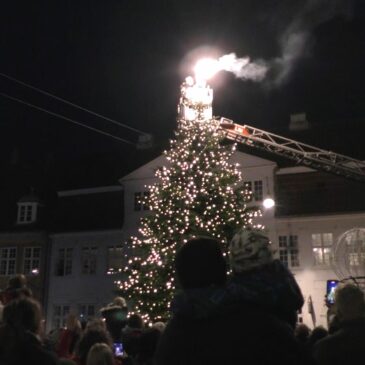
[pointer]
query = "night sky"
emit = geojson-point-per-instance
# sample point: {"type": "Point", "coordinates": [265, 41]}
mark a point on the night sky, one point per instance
{"type": "Point", "coordinates": [126, 60]}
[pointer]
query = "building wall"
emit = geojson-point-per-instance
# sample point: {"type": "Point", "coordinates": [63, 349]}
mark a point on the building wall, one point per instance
{"type": "Point", "coordinates": [312, 278]}
{"type": "Point", "coordinates": [97, 289]}
{"type": "Point", "coordinates": [79, 288]}
{"type": "Point", "coordinates": [22, 240]}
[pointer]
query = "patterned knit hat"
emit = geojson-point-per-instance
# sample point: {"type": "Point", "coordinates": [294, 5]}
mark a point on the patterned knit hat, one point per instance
{"type": "Point", "coordinates": [249, 249]}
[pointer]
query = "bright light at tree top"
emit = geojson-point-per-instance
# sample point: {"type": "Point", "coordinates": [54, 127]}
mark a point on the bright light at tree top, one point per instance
{"type": "Point", "coordinates": [206, 68]}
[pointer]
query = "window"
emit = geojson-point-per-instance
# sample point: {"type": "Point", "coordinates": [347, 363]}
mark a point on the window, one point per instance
{"type": "Point", "coordinates": [141, 201]}
{"type": "Point", "coordinates": [146, 198]}
{"type": "Point", "coordinates": [322, 248]}
{"type": "Point", "coordinates": [86, 311]}
{"type": "Point", "coordinates": [115, 258]}
{"type": "Point", "coordinates": [355, 247]}
{"type": "Point", "coordinates": [60, 313]}
{"type": "Point", "coordinates": [32, 258]}
{"type": "Point", "coordinates": [288, 250]}
{"type": "Point", "coordinates": [64, 262]}
{"type": "Point", "coordinates": [7, 261]}
{"type": "Point", "coordinates": [26, 213]}
{"type": "Point", "coordinates": [258, 190]}
{"type": "Point", "coordinates": [88, 260]}
{"type": "Point", "coordinates": [248, 190]}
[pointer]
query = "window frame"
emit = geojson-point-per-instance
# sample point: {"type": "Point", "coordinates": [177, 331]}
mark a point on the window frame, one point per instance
{"type": "Point", "coordinates": [9, 269]}
{"type": "Point", "coordinates": [67, 261]}
{"type": "Point", "coordinates": [114, 248]}
{"type": "Point", "coordinates": [289, 250]}
{"type": "Point", "coordinates": [90, 258]}
{"type": "Point", "coordinates": [321, 246]}
{"type": "Point", "coordinates": [258, 190]}
{"type": "Point", "coordinates": [27, 213]}
{"type": "Point", "coordinates": [140, 198]}
{"type": "Point", "coordinates": [85, 315]}
{"type": "Point", "coordinates": [247, 185]}
{"type": "Point", "coordinates": [61, 317]}
{"type": "Point", "coordinates": [32, 259]}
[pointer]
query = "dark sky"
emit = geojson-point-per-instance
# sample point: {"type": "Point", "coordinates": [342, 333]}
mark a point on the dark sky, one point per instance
{"type": "Point", "coordinates": [126, 60]}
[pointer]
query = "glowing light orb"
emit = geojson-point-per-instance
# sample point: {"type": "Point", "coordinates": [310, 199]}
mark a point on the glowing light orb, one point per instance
{"type": "Point", "coordinates": [206, 68]}
{"type": "Point", "coordinates": [268, 203]}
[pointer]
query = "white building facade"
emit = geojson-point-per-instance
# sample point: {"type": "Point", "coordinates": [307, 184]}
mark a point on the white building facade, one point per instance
{"type": "Point", "coordinates": [303, 227]}
{"type": "Point", "coordinates": [85, 248]}
{"type": "Point", "coordinates": [302, 241]}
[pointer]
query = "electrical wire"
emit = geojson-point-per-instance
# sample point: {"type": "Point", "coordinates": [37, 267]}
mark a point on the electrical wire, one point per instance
{"type": "Point", "coordinates": [72, 104]}
{"type": "Point", "coordinates": [66, 118]}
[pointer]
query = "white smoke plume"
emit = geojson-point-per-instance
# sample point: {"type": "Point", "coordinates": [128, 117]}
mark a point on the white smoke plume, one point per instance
{"type": "Point", "coordinates": [293, 42]}
{"type": "Point", "coordinates": [295, 38]}
{"type": "Point", "coordinates": [243, 68]}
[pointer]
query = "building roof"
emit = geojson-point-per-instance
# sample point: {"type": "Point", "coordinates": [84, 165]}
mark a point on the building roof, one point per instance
{"type": "Point", "coordinates": [88, 210]}
{"type": "Point", "coordinates": [317, 193]}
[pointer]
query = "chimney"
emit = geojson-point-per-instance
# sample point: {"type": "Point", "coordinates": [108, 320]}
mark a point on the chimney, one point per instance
{"type": "Point", "coordinates": [298, 122]}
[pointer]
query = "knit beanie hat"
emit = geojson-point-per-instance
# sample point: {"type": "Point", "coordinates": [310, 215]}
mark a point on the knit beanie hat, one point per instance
{"type": "Point", "coordinates": [249, 249]}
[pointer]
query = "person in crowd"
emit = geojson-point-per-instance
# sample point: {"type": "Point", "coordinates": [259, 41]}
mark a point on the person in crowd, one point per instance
{"type": "Point", "coordinates": [115, 315]}
{"type": "Point", "coordinates": [302, 333]}
{"type": "Point", "coordinates": [159, 326]}
{"type": "Point", "coordinates": [96, 323]}
{"type": "Point", "coordinates": [1, 312]}
{"type": "Point", "coordinates": [147, 346]}
{"type": "Point", "coordinates": [65, 361]}
{"type": "Point", "coordinates": [17, 288]}
{"type": "Point", "coordinates": [132, 333]}
{"type": "Point", "coordinates": [262, 280]}
{"type": "Point", "coordinates": [69, 337]}
{"type": "Point", "coordinates": [90, 337]}
{"type": "Point", "coordinates": [207, 327]}
{"type": "Point", "coordinates": [100, 354]}
{"type": "Point", "coordinates": [317, 334]}
{"type": "Point", "coordinates": [347, 343]}
{"type": "Point", "coordinates": [19, 335]}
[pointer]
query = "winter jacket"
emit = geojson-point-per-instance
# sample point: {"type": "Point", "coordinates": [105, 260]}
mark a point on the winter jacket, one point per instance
{"type": "Point", "coordinates": [271, 287]}
{"type": "Point", "coordinates": [346, 345]}
{"type": "Point", "coordinates": [211, 327]}
{"type": "Point", "coordinates": [26, 349]}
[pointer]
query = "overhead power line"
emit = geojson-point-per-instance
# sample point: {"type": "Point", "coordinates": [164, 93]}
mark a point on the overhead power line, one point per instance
{"type": "Point", "coordinates": [72, 104]}
{"type": "Point", "coordinates": [66, 118]}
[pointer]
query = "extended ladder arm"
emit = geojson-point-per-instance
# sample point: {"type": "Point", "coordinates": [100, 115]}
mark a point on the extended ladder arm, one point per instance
{"type": "Point", "coordinates": [300, 152]}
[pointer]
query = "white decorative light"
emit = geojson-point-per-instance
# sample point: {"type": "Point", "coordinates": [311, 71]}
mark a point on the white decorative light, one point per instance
{"type": "Point", "coordinates": [268, 203]}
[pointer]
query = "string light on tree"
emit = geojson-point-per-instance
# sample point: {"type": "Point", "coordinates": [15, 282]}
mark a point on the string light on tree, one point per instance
{"type": "Point", "coordinates": [198, 192]}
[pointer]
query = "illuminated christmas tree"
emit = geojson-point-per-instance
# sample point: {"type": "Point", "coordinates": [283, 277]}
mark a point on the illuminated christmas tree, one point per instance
{"type": "Point", "coordinates": [199, 192]}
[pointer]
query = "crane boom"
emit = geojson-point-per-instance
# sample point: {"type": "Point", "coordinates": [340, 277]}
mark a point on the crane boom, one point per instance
{"type": "Point", "coordinates": [300, 152]}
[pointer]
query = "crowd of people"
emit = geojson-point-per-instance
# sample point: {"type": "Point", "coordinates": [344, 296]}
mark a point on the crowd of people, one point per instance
{"type": "Point", "coordinates": [246, 316]}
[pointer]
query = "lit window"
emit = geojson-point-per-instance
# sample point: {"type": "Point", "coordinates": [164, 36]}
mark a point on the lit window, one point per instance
{"type": "Point", "coordinates": [258, 190]}
{"type": "Point", "coordinates": [88, 260]}
{"type": "Point", "coordinates": [322, 248]}
{"type": "Point", "coordinates": [289, 251]}
{"type": "Point", "coordinates": [26, 213]}
{"type": "Point", "coordinates": [64, 262]}
{"type": "Point", "coordinates": [32, 258]}
{"type": "Point", "coordinates": [7, 261]}
{"type": "Point", "coordinates": [115, 258]}
{"type": "Point", "coordinates": [60, 313]}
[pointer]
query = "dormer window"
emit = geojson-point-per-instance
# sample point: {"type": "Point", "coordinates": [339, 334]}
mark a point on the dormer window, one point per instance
{"type": "Point", "coordinates": [27, 213]}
